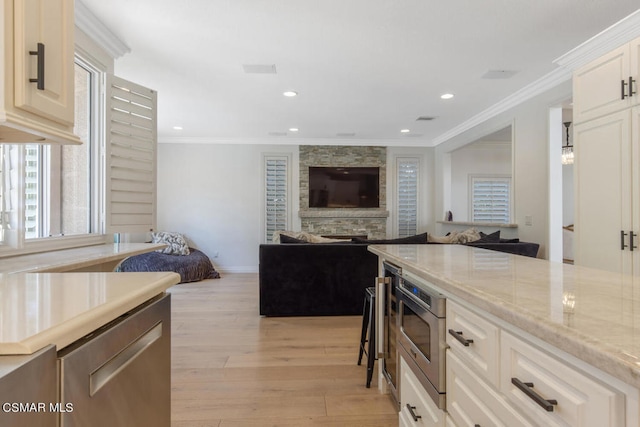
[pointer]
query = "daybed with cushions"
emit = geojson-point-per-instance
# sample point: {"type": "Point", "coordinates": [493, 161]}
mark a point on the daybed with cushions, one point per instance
{"type": "Point", "coordinates": [299, 278]}
{"type": "Point", "coordinates": [191, 264]}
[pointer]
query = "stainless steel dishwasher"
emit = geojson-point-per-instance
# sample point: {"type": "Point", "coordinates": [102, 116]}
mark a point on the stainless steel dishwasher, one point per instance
{"type": "Point", "coordinates": [120, 375]}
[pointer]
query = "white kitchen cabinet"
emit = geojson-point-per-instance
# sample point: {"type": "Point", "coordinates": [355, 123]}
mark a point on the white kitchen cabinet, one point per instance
{"type": "Point", "coordinates": [533, 379]}
{"type": "Point", "coordinates": [37, 103]}
{"type": "Point", "coordinates": [607, 219]}
{"type": "Point", "coordinates": [471, 401]}
{"type": "Point", "coordinates": [481, 338]}
{"type": "Point", "coordinates": [416, 407]}
{"type": "Point", "coordinates": [607, 84]}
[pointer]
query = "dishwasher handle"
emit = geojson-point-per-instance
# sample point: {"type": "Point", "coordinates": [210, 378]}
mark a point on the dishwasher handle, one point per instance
{"type": "Point", "coordinates": [109, 370]}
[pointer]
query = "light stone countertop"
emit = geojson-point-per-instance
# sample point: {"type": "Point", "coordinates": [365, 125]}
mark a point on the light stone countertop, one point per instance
{"type": "Point", "coordinates": [71, 259]}
{"type": "Point", "coordinates": [591, 314]}
{"type": "Point", "coordinates": [38, 309]}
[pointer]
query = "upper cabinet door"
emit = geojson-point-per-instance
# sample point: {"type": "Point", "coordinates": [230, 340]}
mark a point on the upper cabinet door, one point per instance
{"type": "Point", "coordinates": [598, 87]}
{"type": "Point", "coordinates": [44, 26]}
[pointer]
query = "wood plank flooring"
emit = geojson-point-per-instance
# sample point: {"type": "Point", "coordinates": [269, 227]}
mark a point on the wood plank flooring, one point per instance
{"type": "Point", "coordinates": [232, 368]}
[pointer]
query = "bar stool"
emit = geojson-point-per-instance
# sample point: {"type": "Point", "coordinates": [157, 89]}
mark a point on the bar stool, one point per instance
{"type": "Point", "coordinates": [368, 325]}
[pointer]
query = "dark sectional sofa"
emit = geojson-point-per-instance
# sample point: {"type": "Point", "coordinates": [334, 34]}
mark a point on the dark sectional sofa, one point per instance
{"type": "Point", "coordinates": [329, 279]}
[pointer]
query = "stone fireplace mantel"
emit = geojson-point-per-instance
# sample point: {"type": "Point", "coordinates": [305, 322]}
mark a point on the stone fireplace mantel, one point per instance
{"type": "Point", "coordinates": [344, 213]}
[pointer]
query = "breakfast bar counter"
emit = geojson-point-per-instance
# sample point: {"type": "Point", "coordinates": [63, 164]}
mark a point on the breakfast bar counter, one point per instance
{"type": "Point", "coordinates": [590, 314]}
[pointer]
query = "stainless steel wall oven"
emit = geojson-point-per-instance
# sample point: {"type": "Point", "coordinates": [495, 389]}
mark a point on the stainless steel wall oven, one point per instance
{"type": "Point", "coordinates": [421, 334]}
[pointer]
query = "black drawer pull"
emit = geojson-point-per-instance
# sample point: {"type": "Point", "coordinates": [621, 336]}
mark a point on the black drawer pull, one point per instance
{"type": "Point", "coordinates": [631, 82]}
{"type": "Point", "coordinates": [527, 388]}
{"type": "Point", "coordinates": [458, 335]}
{"type": "Point", "coordinates": [622, 245]}
{"type": "Point", "coordinates": [413, 414]}
{"type": "Point", "coordinates": [623, 85]}
{"type": "Point", "coordinates": [631, 244]}
{"type": "Point", "coordinates": [40, 66]}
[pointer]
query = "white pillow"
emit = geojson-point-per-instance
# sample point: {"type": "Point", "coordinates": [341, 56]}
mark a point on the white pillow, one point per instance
{"type": "Point", "coordinates": [176, 243]}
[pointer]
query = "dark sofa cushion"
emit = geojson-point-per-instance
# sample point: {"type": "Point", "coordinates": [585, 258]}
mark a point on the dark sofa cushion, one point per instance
{"type": "Point", "coordinates": [489, 238]}
{"type": "Point", "coordinates": [417, 239]}
{"type": "Point", "coordinates": [288, 239]}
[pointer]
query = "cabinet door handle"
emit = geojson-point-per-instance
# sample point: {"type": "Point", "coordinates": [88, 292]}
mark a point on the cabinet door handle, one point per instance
{"type": "Point", "coordinates": [631, 245]}
{"type": "Point", "coordinates": [631, 82]}
{"type": "Point", "coordinates": [527, 388]}
{"type": "Point", "coordinates": [39, 53]}
{"type": "Point", "coordinates": [458, 335]}
{"type": "Point", "coordinates": [622, 245]}
{"type": "Point", "coordinates": [413, 414]}
{"type": "Point", "coordinates": [623, 85]}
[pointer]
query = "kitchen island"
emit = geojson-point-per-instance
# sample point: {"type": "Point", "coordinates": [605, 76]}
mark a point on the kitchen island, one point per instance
{"type": "Point", "coordinates": [587, 320]}
{"type": "Point", "coordinates": [110, 333]}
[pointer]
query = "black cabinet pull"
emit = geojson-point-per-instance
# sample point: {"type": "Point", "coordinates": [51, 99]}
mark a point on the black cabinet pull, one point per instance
{"type": "Point", "coordinates": [623, 94]}
{"type": "Point", "coordinates": [40, 59]}
{"type": "Point", "coordinates": [631, 245]}
{"type": "Point", "coordinates": [458, 335]}
{"type": "Point", "coordinates": [413, 414]}
{"type": "Point", "coordinates": [527, 388]}
{"type": "Point", "coordinates": [622, 245]}
{"type": "Point", "coordinates": [631, 82]}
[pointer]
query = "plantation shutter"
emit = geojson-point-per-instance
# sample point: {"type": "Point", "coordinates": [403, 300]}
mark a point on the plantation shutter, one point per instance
{"type": "Point", "coordinates": [276, 195]}
{"type": "Point", "coordinates": [490, 200]}
{"type": "Point", "coordinates": [130, 156]}
{"type": "Point", "coordinates": [407, 170]}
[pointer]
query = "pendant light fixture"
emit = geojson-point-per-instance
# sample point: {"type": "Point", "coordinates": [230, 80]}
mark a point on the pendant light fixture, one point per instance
{"type": "Point", "coordinates": [567, 150]}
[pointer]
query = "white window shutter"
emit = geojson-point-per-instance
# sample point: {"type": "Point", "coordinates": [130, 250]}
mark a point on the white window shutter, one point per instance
{"type": "Point", "coordinates": [130, 157]}
{"type": "Point", "coordinates": [407, 208]}
{"type": "Point", "coordinates": [490, 200]}
{"type": "Point", "coordinates": [276, 195]}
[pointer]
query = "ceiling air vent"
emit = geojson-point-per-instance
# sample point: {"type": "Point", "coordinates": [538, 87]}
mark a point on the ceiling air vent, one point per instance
{"type": "Point", "coordinates": [425, 118]}
{"type": "Point", "coordinates": [499, 74]}
{"type": "Point", "coordinates": [277, 134]}
{"type": "Point", "coordinates": [345, 134]}
{"type": "Point", "coordinates": [259, 68]}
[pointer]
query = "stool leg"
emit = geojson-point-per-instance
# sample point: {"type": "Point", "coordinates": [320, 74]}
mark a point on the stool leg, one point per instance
{"type": "Point", "coordinates": [363, 334]}
{"type": "Point", "coordinates": [372, 342]}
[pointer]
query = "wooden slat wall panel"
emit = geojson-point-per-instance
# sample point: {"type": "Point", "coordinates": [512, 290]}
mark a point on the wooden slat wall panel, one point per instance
{"type": "Point", "coordinates": [130, 157]}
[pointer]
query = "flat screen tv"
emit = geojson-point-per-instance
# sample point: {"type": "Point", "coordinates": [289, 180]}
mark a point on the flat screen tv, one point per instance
{"type": "Point", "coordinates": [344, 187]}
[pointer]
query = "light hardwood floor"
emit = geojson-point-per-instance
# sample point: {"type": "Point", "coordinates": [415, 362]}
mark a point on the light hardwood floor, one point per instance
{"type": "Point", "coordinates": [231, 367]}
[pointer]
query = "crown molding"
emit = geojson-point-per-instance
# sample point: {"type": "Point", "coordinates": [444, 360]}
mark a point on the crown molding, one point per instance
{"type": "Point", "coordinates": [94, 28]}
{"type": "Point", "coordinates": [285, 140]}
{"type": "Point", "coordinates": [611, 38]}
{"type": "Point", "coordinates": [616, 35]}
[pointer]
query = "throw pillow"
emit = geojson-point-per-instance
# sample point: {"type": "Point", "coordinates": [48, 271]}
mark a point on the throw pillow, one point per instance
{"type": "Point", "coordinates": [176, 243]}
{"type": "Point", "coordinates": [489, 238]}
{"type": "Point", "coordinates": [417, 239]}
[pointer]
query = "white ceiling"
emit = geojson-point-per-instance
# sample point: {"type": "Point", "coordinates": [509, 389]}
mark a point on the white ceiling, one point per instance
{"type": "Point", "coordinates": [369, 67]}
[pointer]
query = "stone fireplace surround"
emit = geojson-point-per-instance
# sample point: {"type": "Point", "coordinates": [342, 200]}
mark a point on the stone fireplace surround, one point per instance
{"type": "Point", "coordinates": [343, 221]}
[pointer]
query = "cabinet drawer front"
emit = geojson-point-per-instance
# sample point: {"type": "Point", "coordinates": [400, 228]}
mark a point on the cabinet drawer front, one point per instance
{"type": "Point", "coordinates": [471, 401]}
{"type": "Point", "coordinates": [416, 397]}
{"type": "Point", "coordinates": [483, 352]}
{"type": "Point", "coordinates": [581, 400]}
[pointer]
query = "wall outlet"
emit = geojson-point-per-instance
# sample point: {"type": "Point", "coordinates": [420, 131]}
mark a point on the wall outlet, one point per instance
{"type": "Point", "coordinates": [528, 220]}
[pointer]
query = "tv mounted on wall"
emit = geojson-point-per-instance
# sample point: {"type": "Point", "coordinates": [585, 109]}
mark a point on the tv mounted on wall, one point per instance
{"type": "Point", "coordinates": [344, 187]}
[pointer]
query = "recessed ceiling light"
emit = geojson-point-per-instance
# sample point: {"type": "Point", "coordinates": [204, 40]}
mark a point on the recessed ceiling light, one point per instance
{"type": "Point", "coordinates": [447, 96]}
{"type": "Point", "coordinates": [405, 130]}
{"type": "Point", "coordinates": [293, 129]}
{"type": "Point", "coordinates": [290, 93]}
{"type": "Point", "coordinates": [177, 128]}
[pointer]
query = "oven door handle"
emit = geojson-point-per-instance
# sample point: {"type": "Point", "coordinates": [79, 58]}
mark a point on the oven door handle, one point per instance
{"type": "Point", "coordinates": [381, 301]}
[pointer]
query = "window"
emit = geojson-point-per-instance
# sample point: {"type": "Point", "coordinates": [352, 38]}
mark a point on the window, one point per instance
{"type": "Point", "coordinates": [490, 199]}
{"type": "Point", "coordinates": [407, 195]}
{"type": "Point", "coordinates": [276, 211]}
{"type": "Point", "coordinates": [60, 199]}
